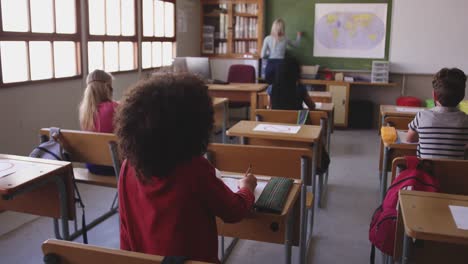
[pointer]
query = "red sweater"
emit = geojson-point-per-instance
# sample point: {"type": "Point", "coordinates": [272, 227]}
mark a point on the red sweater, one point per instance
{"type": "Point", "coordinates": [175, 215]}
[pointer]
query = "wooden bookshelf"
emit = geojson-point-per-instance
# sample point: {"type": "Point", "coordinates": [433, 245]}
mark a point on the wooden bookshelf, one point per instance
{"type": "Point", "coordinates": [232, 28]}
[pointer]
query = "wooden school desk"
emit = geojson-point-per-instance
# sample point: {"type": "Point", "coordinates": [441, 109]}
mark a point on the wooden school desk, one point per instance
{"type": "Point", "coordinates": [266, 227]}
{"type": "Point", "coordinates": [426, 216]}
{"type": "Point", "coordinates": [221, 114]}
{"type": "Point", "coordinates": [321, 97]}
{"type": "Point", "coordinates": [329, 108]}
{"type": "Point", "coordinates": [393, 111]}
{"type": "Point", "coordinates": [307, 137]}
{"type": "Point", "coordinates": [39, 187]}
{"type": "Point", "coordinates": [239, 92]}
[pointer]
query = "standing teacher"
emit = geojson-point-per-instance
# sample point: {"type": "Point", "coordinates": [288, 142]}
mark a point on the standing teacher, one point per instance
{"type": "Point", "coordinates": [274, 47]}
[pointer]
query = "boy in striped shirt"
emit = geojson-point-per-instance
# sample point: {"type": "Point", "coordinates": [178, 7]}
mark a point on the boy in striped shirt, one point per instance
{"type": "Point", "coordinates": [443, 130]}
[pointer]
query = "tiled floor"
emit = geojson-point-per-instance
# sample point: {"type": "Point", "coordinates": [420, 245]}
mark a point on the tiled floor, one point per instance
{"type": "Point", "coordinates": [340, 232]}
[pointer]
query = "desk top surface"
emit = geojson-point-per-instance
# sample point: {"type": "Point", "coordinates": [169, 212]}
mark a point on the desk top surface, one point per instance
{"type": "Point", "coordinates": [327, 107]}
{"type": "Point", "coordinates": [218, 101]}
{"type": "Point", "coordinates": [320, 94]}
{"type": "Point", "coordinates": [332, 82]}
{"type": "Point", "coordinates": [386, 110]}
{"type": "Point", "coordinates": [26, 170]}
{"type": "Point", "coordinates": [427, 216]}
{"type": "Point", "coordinates": [238, 87]}
{"type": "Point", "coordinates": [307, 133]}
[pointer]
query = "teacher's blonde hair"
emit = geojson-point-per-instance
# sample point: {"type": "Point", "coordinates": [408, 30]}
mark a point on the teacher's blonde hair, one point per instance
{"type": "Point", "coordinates": [277, 30]}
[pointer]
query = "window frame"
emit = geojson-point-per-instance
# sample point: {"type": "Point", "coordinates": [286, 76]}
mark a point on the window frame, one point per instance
{"type": "Point", "coordinates": [152, 39]}
{"type": "Point", "coordinates": [113, 38]}
{"type": "Point", "coordinates": [48, 37]}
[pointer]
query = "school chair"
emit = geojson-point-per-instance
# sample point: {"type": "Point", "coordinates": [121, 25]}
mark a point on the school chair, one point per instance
{"type": "Point", "coordinates": [452, 176]}
{"type": "Point", "coordinates": [241, 73]}
{"type": "Point", "coordinates": [283, 162]}
{"type": "Point", "coordinates": [95, 148]}
{"type": "Point", "coordinates": [65, 252]}
{"type": "Point", "coordinates": [317, 118]}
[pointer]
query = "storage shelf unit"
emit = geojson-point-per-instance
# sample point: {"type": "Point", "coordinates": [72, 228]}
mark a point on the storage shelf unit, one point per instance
{"type": "Point", "coordinates": [238, 28]}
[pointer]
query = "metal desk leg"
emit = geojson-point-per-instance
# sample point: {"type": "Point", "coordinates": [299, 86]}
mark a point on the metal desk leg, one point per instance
{"type": "Point", "coordinates": [225, 120]}
{"type": "Point", "coordinates": [226, 253]}
{"type": "Point", "coordinates": [314, 184]}
{"type": "Point", "coordinates": [288, 237]}
{"type": "Point", "coordinates": [303, 212]}
{"type": "Point", "coordinates": [407, 243]}
{"type": "Point", "coordinates": [383, 180]}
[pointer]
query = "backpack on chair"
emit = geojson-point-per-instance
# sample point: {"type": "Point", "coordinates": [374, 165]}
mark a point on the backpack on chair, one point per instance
{"type": "Point", "coordinates": [418, 177]}
{"type": "Point", "coordinates": [50, 148]}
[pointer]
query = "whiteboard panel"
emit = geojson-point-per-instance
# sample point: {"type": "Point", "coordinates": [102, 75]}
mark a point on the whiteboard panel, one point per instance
{"type": "Point", "coordinates": [427, 35]}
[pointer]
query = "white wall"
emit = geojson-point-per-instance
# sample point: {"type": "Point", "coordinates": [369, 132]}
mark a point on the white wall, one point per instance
{"type": "Point", "coordinates": [27, 108]}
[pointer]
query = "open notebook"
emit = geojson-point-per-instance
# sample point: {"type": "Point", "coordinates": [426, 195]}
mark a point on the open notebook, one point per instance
{"type": "Point", "coordinates": [232, 184]}
{"type": "Point", "coordinates": [402, 137]}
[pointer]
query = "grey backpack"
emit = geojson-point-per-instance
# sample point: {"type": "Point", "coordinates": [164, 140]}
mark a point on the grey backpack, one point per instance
{"type": "Point", "coordinates": [50, 148]}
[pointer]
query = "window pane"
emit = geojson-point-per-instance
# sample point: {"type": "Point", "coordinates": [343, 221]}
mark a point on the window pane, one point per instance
{"type": "Point", "coordinates": [157, 54]}
{"type": "Point", "coordinates": [14, 61]}
{"type": "Point", "coordinates": [42, 17]}
{"type": "Point", "coordinates": [167, 53]}
{"type": "Point", "coordinates": [65, 16]}
{"type": "Point", "coordinates": [148, 18]}
{"type": "Point", "coordinates": [111, 56]}
{"type": "Point", "coordinates": [96, 17]}
{"type": "Point", "coordinates": [64, 58]}
{"type": "Point", "coordinates": [159, 18]}
{"type": "Point", "coordinates": [15, 15]}
{"type": "Point", "coordinates": [95, 56]}
{"type": "Point", "coordinates": [113, 17]}
{"type": "Point", "coordinates": [40, 58]}
{"type": "Point", "coordinates": [169, 19]}
{"type": "Point", "coordinates": [126, 56]}
{"type": "Point", "coordinates": [146, 55]}
{"type": "Point", "coordinates": [128, 18]}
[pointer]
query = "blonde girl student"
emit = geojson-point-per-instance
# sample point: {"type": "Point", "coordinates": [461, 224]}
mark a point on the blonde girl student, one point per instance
{"type": "Point", "coordinates": [274, 47]}
{"type": "Point", "coordinates": [96, 111]}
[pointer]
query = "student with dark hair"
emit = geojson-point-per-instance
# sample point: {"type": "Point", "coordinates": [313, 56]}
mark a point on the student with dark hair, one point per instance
{"type": "Point", "coordinates": [443, 130]}
{"type": "Point", "coordinates": [286, 93]}
{"type": "Point", "coordinates": [169, 194]}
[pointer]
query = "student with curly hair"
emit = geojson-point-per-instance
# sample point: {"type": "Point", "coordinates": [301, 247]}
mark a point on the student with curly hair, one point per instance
{"type": "Point", "coordinates": [443, 130]}
{"type": "Point", "coordinates": [169, 194]}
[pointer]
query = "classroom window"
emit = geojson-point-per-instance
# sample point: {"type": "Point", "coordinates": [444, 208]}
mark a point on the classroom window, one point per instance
{"type": "Point", "coordinates": [158, 33]}
{"type": "Point", "coordinates": [112, 35]}
{"type": "Point", "coordinates": [38, 40]}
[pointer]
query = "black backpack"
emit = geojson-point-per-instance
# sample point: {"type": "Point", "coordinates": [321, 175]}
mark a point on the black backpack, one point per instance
{"type": "Point", "coordinates": [50, 148]}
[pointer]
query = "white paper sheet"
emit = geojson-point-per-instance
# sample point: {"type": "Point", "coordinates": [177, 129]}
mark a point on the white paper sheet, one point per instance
{"type": "Point", "coordinates": [318, 105]}
{"type": "Point", "coordinates": [277, 128]}
{"type": "Point", "coordinates": [6, 168]}
{"type": "Point", "coordinates": [410, 109]}
{"type": "Point", "coordinates": [402, 137]}
{"type": "Point", "coordinates": [460, 215]}
{"type": "Point", "coordinates": [232, 184]}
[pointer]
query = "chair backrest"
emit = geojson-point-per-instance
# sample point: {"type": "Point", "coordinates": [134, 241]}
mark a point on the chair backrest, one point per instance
{"type": "Point", "coordinates": [241, 73]}
{"type": "Point", "coordinates": [84, 146]}
{"type": "Point", "coordinates": [398, 122]}
{"type": "Point", "coordinates": [75, 253]}
{"type": "Point", "coordinates": [452, 174]}
{"type": "Point", "coordinates": [271, 161]}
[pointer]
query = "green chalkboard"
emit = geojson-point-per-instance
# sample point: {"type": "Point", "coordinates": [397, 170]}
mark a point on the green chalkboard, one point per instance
{"type": "Point", "coordinates": [299, 15]}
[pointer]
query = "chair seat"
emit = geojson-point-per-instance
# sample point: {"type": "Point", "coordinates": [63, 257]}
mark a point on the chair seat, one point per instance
{"type": "Point", "coordinates": [82, 175]}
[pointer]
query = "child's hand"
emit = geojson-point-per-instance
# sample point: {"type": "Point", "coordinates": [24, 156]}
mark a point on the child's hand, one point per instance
{"type": "Point", "coordinates": [249, 181]}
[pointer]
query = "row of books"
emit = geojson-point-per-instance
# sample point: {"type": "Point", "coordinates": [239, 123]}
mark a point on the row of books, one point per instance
{"type": "Point", "coordinates": [223, 26]}
{"type": "Point", "coordinates": [245, 27]}
{"type": "Point", "coordinates": [221, 48]}
{"type": "Point", "coordinates": [246, 8]}
{"type": "Point", "coordinates": [245, 47]}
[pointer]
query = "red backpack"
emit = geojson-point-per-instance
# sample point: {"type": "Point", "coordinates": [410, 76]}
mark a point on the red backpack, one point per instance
{"type": "Point", "coordinates": [417, 176]}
